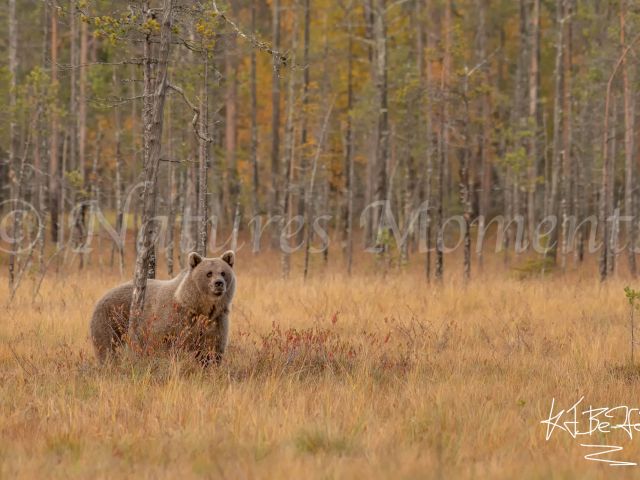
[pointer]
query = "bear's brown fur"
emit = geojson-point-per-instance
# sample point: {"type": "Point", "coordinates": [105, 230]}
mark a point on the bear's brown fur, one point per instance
{"type": "Point", "coordinates": [190, 311]}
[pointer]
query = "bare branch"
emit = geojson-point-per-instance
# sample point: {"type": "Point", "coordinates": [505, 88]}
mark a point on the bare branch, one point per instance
{"type": "Point", "coordinates": [194, 122]}
{"type": "Point", "coordinates": [262, 46]}
{"type": "Point", "coordinates": [128, 61]}
{"type": "Point", "coordinates": [175, 161]}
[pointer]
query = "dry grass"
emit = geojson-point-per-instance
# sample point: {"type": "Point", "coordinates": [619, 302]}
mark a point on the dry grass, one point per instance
{"type": "Point", "coordinates": [362, 377]}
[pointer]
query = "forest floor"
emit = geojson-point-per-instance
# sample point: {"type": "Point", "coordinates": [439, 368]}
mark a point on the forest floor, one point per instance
{"type": "Point", "coordinates": [339, 377]}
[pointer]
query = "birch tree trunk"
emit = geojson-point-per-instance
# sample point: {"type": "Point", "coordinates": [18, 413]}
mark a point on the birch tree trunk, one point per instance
{"type": "Point", "coordinates": [151, 176]}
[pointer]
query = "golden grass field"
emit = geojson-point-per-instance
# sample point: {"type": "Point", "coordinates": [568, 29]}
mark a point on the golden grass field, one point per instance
{"type": "Point", "coordinates": [382, 378]}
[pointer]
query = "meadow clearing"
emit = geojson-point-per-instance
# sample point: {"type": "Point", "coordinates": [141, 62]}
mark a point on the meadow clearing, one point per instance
{"type": "Point", "coordinates": [339, 377]}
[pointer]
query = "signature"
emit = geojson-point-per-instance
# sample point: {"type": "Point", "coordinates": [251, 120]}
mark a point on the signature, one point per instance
{"type": "Point", "coordinates": [600, 420]}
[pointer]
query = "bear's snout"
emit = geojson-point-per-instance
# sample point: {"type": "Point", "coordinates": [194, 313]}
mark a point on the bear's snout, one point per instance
{"type": "Point", "coordinates": [219, 287]}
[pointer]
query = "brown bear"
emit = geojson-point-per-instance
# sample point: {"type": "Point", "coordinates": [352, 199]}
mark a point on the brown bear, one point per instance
{"type": "Point", "coordinates": [190, 311]}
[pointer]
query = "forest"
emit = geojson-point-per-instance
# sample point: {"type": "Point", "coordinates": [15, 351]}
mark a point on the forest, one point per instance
{"type": "Point", "coordinates": [431, 212]}
{"type": "Point", "coordinates": [304, 112]}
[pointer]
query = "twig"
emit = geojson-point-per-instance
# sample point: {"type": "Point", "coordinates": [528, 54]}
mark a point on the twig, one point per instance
{"type": "Point", "coordinates": [128, 61]}
{"type": "Point", "coordinates": [262, 46]}
{"type": "Point", "coordinates": [24, 267]}
{"type": "Point", "coordinates": [194, 122]}
{"type": "Point", "coordinates": [19, 362]}
{"type": "Point", "coordinates": [44, 272]}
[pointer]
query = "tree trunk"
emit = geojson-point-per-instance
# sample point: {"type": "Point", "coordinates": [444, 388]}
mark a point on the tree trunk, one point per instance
{"type": "Point", "coordinates": [485, 167]}
{"type": "Point", "coordinates": [557, 130]}
{"type": "Point", "coordinates": [147, 118]}
{"type": "Point", "coordinates": [304, 115]}
{"type": "Point", "coordinates": [533, 119]}
{"type": "Point", "coordinates": [182, 208]}
{"type": "Point", "coordinates": [628, 148]}
{"type": "Point", "coordinates": [466, 186]}
{"type": "Point", "coordinates": [444, 137]}
{"type": "Point", "coordinates": [154, 130]}
{"type": "Point", "coordinates": [231, 125]}
{"type": "Point", "coordinates": [61, 206]}
{"type": "Point", "coordinates": [119, 187]}
{"type": "Point", "coordinates": [369, 20]}
{"type": "Point", "coordinates": [73, 101]}
{"type": "Point", "coordinates": [275, 125]}
{"type": "Point", "coordinates": [310, 201]}
{"type": "Point", "coordinates": [429, 136]}
{"type": "Point", "coordinates": [568, 153]}
{"type": "Point", "coordinates": [286, 206]}
{"type": "Point", "coordinates": [82, 104]}
{"type": "Point", "coordinates": [82, 127]}
{"type": "Point", "coordinates": [54, 164]}
{"type": "Point", "coordinates": [349, 173]}
{"type": "Point", "coordinates": [134, 169]}
{"type": "Point", "coordinates": [95, 204]}
{"type": "Point", "coordinates": [255, 186]}
{"type": "Point", "coordinates": [204, 161]}
{"type": "Point", "coordinates": [610, 194]}
{"type": "Point", "coordinates": [171, 176]}
{"type": "Point", "coordinates": [380, 36]}
{"type": "Point", "coordinates": [13, 127]}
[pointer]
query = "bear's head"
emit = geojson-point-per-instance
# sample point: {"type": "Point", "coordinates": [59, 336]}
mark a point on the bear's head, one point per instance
{"type": "Point", "coordinates": [213, 276]}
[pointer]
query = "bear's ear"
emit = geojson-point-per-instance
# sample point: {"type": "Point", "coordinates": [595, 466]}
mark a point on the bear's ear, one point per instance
{"type": "Point", "coordinates": [229, 257]}
{"type": "Point", "coordinates": [194, 259]}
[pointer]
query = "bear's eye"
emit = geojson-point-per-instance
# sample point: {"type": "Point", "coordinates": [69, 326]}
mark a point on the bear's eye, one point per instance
{"type": "Point", "coordinates": [223, 274]}
{"type": "Point", "coordinates": [210, 274]}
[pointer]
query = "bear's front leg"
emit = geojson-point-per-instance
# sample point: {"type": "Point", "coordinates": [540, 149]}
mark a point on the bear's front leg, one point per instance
{"type": "Point", "coordinates": [216, 341]}
{"type": "Point", "coordinates": [221, 336]}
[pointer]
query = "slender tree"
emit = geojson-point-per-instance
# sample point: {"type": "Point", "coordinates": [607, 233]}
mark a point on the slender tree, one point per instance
{"type": "Point", "coordinates": [557, 132]}
{"type": "Point", "coordinates": [54, 164]}
{"type": "Point", "coordinates": [255, 177]}
{"type": "Point", "coordinates": [154, 137]}
{"type": "Point", "coordinates": [628, 145]}
{"type": "Point", "coordinates": [534, 49]}
{"type": "Point", "coordinates": [275, 124]}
